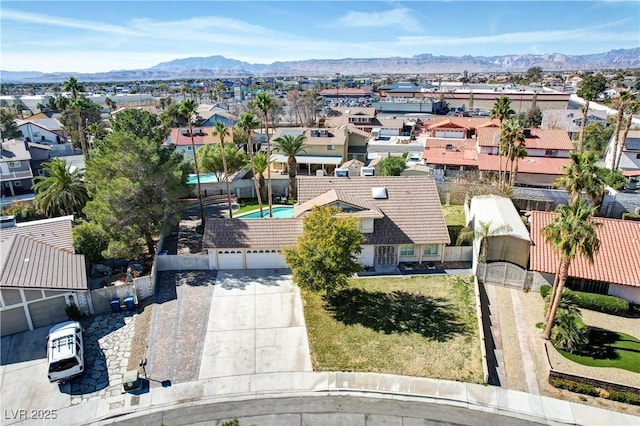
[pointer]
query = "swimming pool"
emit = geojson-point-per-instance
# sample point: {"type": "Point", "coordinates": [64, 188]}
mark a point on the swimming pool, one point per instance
{"type": "Point", "coordinates": [204, 178]}
{"type": "Point", "coordinates": [278, 213]}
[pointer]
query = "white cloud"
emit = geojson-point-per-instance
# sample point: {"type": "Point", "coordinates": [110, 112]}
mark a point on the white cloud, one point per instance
{"type": "Point", "coordinates": [399, 18]}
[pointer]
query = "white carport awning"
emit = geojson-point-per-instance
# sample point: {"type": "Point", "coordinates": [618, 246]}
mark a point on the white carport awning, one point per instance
{"type": "Point", "coordinates": [308, 159]}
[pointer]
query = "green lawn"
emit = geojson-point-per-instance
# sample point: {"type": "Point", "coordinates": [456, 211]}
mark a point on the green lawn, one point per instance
{"type": "Point", "coordinates": [454, 215]}
{"type": "Point", "coordinates": [418, 326]}
{"type": "Point", "coordinates": [609, 349]}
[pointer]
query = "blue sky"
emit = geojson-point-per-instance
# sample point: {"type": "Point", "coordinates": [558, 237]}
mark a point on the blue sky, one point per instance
{"type": "Point", "coordinates": [93, 36]}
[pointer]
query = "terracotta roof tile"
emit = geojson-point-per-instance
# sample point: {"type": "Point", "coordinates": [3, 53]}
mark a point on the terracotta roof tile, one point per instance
{"type": "Point", "coordinates": [617, 262]}
{"type": "Point", "coordinates": [202, 136]}
{"type": "Point", "coordinates": [535, 165]}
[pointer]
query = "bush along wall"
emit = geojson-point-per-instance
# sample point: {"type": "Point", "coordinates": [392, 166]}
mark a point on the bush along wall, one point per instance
{"type": "Point", "coordinates": [596, 302]}
{"type": "Point", "coordinates": [587, 386]}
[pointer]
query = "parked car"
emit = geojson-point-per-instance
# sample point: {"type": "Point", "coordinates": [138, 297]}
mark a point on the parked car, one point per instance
{"type": "Point", "coordinates": [65, 352]}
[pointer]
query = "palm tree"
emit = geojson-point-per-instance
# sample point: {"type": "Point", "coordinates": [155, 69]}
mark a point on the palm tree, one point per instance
{"type": "Point", "coordinates": [77, 104]}
{"type": "Point", "coordinates": [222, 131]}
{"type": "Point", "coordinates": [633, 108]}
{"type": "Point", "coordinates": [247, 123]}
{"type": "Point", "coordinates": [571, 233]}
{"type": "Point", "coordinates": [40, 107]}
{"type": "Point", "coordinates": [61, 192]}
{"type": "Point", "coordinates": [264, 102]}
{"type": "Point", "coordinates": [501, 110]}
{"type": "Point", "coordinates": [582, 174]}
{"type": "Point", "coordinates": [110, 104]}
{"type": "Point", "coordinates": [519, 152]}
{"type": "Point", "coordinates": [514, 138]}
{"type": "Point", "coordinates": [590, 88]}
{"type": "Point", "coordinates": [260, 164]}
{"type": "Point", "coordinates": [483, 233]}
{"type": "Point", "coordinates": [188, 108]}
{"type": "Point", "coordinates": [291, 146]}
{"type": "Point", "coordinates": [96, 131]}
{"type": "Point", "coordinates": [622, 103]}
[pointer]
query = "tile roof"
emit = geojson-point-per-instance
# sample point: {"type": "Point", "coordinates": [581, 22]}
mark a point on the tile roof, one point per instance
{"type": "Point", "coordinates": [35, 264]}
{"type": "Point", "coordinates": [203, 137]}
{"type": "Point", "coordinates": [336, 136]}
{"type": "Point", "coordinates": [251, 233]}
{"type": "Point", "coordinates": [412, 210]}
{"type": "Point", "coordinates": [617, 262]}
{"type": "Point", "coordinates": [535, 165]}
{"type": "Point", "coordinates": [540, 138]}
{"type": "Point", "coordinates": [332, 197]}
{"type": "Point", "coordinates": [456, 157]}
{"type": "Point", "coordinates": [55, 232]}
{"type": "Point", "coordinates": [463, 122]}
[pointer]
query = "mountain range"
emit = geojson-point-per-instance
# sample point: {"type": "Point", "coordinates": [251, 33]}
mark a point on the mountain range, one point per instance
{"type": "Point", "coordinates": [221, 67]}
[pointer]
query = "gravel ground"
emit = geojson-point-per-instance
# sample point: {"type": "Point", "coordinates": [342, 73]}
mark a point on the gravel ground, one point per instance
{"type": "Point", "coordinates": [139, 342]}
{"type": "Point", "coordinates": [532, 307]}
{"type": "Point", "coordinates": [510, 346]}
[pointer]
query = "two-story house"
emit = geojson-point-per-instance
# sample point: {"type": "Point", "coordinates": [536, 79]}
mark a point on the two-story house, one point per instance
{"type": "Point", "coordinates": [16, 176]}
{"type": "Point", "coordinates": [629, 158]}
{"type": "Point", "coordinates": [181, 138]}
{"type": "Point", "coordinates": [326, 149]}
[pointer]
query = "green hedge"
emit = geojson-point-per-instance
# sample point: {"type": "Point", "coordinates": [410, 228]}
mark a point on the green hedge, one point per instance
{"type": "Point", "coordinates": [595, 302]}
{"type": "Point", "coordinates": [545, 290]}
{"type": "Point", "coordinates": [630, 216]}
{"type": "Point", "coordinates": [587, 389]}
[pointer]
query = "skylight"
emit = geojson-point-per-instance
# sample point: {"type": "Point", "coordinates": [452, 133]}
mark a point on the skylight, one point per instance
{"type": "Point", "coordinates": [379, 193]}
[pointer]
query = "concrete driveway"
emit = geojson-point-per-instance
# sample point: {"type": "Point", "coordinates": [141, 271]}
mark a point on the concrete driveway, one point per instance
{"type": "Point", "coordinates": [256, 325]}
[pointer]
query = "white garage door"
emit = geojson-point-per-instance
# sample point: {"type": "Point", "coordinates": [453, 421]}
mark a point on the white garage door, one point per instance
{"type": "Point", "coordinates": [265, 259]}
{"type": "Point", "coordinates": [448, 134]}
{"type": "Point", "coordinates": [230, 259]}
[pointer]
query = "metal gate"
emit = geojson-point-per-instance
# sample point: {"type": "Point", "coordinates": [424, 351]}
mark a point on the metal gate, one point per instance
{"type": "Point", "coordinates": [386, 256]}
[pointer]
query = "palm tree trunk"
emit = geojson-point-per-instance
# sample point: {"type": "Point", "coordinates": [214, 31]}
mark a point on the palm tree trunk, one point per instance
{"type": "Point", "coordinates": [195, 162]}
{"type": "Point", "coordinates": [616, 140]}
{"type": "Point", "coordinates": [292, 165]}
{"type": "Point", "coordinates": [83, 142]}
{"type": "Point", "coordinates": [556, 300]}
{"type": "Point", "coordinates": [151, 245]}
{"type": "Point", "coordinates": [226, 176]}
{"type": "Point", "coordinates": [624, 138]}
{"type": "Point", "coordinates": [556, 279]}
{"type": "Point", "coordinates": [269, 189]}
{"type": "Point", "coordinates": [253, 170]}
{"type": "Point", "coordinates": [585, 112]}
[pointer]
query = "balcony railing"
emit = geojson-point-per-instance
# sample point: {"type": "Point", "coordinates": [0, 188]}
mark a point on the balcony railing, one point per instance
{"type": "Point", "coordinates": [21, 174]}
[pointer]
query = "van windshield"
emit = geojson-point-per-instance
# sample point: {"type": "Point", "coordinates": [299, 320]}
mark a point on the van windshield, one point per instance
{"type": "Point", "coordinates": [62, 365]}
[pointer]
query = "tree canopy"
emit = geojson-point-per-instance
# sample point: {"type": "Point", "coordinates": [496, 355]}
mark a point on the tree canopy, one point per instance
{"type": "Point", "coordinates": [8, 127]}
{"type": "Point", "coordinates": [210, 159]}
{"type": "Point", "coordinates": [326, 254]}
{"type": "Point", "coordinates": [391, 166]}
{"type": "Point", "coordinates": [136, 185]}
{"type": "Point", "coordinates": [140, 123]}
{"type": "Point", "coordinates": [61, 192]}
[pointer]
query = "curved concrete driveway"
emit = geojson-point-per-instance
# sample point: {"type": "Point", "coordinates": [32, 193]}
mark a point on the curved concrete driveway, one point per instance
{"type": "Point", "coordinates": [256, 325]}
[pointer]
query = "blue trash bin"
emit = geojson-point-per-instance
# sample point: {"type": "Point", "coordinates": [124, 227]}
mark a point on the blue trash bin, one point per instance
{"type": "Point", "coordinates": [129, 303]}
{"type": "Point", "coordinates": [115, 305]}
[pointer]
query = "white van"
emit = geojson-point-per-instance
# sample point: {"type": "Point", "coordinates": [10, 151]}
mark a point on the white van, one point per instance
{"type": "Point", "coordinates": [65, 351]}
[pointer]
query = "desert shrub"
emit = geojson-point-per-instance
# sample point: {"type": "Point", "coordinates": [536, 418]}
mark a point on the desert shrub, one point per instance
{"type": "Point", "coordinates": [570, 333]}
{"type": "Point", "coordinates": [630, 216]}
{"type": "Point", "coordinates": [22, 211]}
{"type": "Point", "coordinates": [91, 240]}
{"type": "Point", "coordinates": [587, 389]}
{"type": "Point", "coordinates": [74, 313]}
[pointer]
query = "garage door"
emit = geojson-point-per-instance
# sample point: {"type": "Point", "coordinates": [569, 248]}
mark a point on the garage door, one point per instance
{"type": "Point", "coordinates": [13, 321]}
{"type": "Point", "coordinates": [230, 259]}
{"type": "Point", "coordinates": [49, 311]}
{"type": "Point", "coordinates": [265, 259]}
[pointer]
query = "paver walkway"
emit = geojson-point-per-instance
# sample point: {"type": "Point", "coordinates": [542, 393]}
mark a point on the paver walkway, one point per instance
{"type": "Point", "coordinates": [256, 325]}
{"type": "Point", "coordinates": [180, 314]}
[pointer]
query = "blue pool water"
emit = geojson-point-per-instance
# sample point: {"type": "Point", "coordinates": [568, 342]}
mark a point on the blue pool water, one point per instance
{"type": "Point", "coordinates": [278, 213]}
{"type": "Point", "coordinates": [204, 178]}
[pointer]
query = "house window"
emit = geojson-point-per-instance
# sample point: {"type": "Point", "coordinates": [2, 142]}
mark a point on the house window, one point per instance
{"type": "Point", "coordinates": [14, 164]}
{"type": "Point", "coordinates": [637, 156]}
{"type": "Point", "coordinates": [331, 147]}
{"type": "Point", "coordinates": [17, 183]}
{"type": "Point", "coordinates": [189, 148]}
{"type": "Point", "coordinates": [551, 153]}
{"type": "Point", "coordinates": [407, 250]}
{"type": "Point", "coordinates": [430, 249]}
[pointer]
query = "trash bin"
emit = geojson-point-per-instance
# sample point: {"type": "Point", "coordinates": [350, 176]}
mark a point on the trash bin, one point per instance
{"type": "Point", "coordinates": [130, 303]}
{"type": "Point", "coordinates": [131, 381]}
{"type": "Point", "coordinates": [115, 305]}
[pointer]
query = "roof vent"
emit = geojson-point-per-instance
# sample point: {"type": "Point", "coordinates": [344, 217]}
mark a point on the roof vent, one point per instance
{"type": "Point", "coordinates": [379, 193]}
